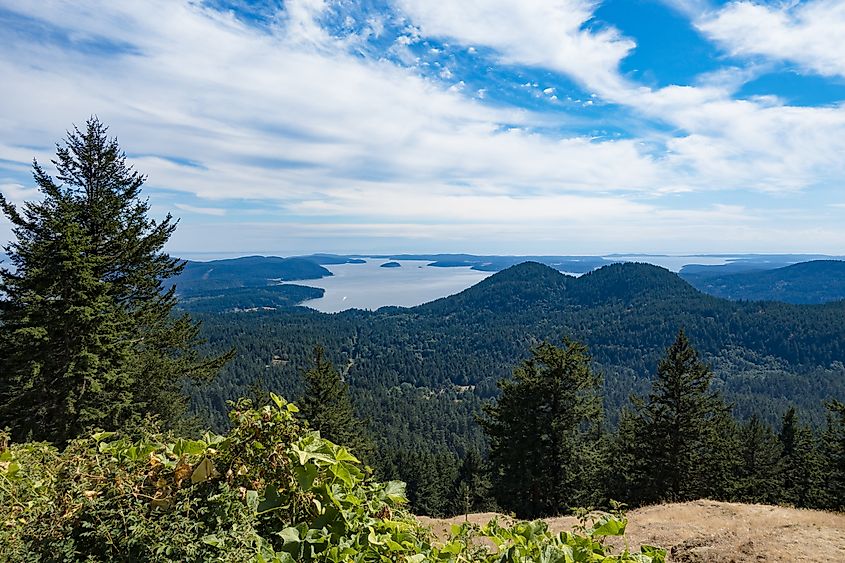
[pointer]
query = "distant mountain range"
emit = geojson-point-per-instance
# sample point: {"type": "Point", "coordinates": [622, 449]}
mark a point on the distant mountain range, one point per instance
{"type": "Point", "coordinates": [818, 281]}
{"type": "Point", "coordinates": [572, 264]}
{"type": "Point", "coordinates": [753, 278]}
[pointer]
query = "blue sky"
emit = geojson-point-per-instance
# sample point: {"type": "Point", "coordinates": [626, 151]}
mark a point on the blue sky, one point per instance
{"type": "Point", "coordinates": [484, 126]}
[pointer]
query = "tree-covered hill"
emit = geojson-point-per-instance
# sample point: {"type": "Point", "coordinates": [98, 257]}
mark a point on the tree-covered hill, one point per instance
{"type": "Point", "coordinates": [248, 271]}
{"type": "Point", "coordinates": [421, 374]}
{"type": "Point", "coordinates": [818, 281]}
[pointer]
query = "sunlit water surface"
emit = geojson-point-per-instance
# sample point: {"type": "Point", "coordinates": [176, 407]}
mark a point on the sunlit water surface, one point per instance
{"type": "Point", "coordinates": [369, 286]}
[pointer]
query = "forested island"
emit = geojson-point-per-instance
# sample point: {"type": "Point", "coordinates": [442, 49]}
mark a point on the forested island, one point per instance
{"type": "Point", "coordinates": [148, 422]}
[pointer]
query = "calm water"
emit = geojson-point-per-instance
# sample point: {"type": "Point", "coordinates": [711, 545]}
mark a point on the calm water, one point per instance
{"type": "Point", "coordinates": [369, 286]}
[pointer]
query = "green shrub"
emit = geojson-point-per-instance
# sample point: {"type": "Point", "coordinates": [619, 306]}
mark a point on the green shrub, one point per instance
{"type": "Point", "coordinates": [269, 491]}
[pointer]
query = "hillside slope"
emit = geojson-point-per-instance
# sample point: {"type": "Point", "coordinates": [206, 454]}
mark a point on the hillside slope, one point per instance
{"type": "Point", "coordinates": [248, 271]}
{"type": "Point", "coordinates": [420, 374]}
{"type": "Point", "coordinates": [818, 281]}
{"type": "Point", "coordinates": [713, 531]}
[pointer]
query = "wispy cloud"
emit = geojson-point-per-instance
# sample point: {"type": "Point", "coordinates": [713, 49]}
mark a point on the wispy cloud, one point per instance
{"type": "Point", "coordinates": [336, 129]}
{"type": "Point", "coordinates": [809, 33]}
{"type": "Point", "coordinates": [216, 211]}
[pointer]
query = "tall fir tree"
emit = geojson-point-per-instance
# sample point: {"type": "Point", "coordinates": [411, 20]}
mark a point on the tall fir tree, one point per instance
{"type": "Point", "coordinates": [758, 478]}
{"type": "Point", "coordinates": [833, 449]}
{"type": "Point", "coordinates": [544, 432]}
{"type": "Point", "coordinates": [801, 465]}
{"type": "Point", "coordinates": [327, 407]}
{"type": "Point", "coordinates": [472, 491]}
{"type": "Point", "coordinates": [681, 438]}
{"type": "Point", "coordinates": [88, 334]}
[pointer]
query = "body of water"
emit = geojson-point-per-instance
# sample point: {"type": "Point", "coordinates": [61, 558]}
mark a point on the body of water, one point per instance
{"type": "Point", "coordinates": [673, 262]}
{"type": "Point", "coordinates": [369, 286]}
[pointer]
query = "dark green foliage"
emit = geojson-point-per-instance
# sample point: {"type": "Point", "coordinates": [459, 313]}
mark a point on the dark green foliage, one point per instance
{"type": "Point", "coordinates": [833, 450]}
{"type": "Point", "coordinates": [543, 431]}
{"type": "Point", "coordinates": [327, 408]}
{"type": "Point", "coordinates": [473, 491]}
{"type": "Point", "coordinates": [249, 299]}
{"type": "Point", "coordinates": [88, 339]}
{"type": "Point", "coordinates": [680, 438]}
{"type": "Point", "coordinates": [430, 477]}
{"type": "Point", "coordinates": [801, 466]}
{"type": "Point", "coordinates": [245, 272]}
{"type": "Point", "coordinates": [758, 478]}
{"type": "Point", "coordinates": [421, 374]}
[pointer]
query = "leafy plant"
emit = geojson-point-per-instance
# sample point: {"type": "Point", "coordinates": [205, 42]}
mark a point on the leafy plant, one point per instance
{"type": "Point", "coordinates": [270, 491]}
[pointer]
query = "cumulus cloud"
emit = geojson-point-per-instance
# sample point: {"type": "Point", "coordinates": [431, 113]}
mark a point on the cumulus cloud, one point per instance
{"type": "Point", "coordinates": [811, 33]}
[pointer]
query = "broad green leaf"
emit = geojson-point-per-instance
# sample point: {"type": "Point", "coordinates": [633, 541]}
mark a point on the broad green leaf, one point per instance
{"type": "Point", "coordinates": [189, 447]}
{"type": "Point", "coordinates": [342, 454]}
{"type": "Point", "coordinates": [609, 526]}
{"type": "Point", "coordinates": [395, 491]}
{"type": "Point", "coordinates": [305, 475]}
{"type": "Point", "coordinates": [271, 500]}
{"type": "Point", "coordinates": [289, 535]}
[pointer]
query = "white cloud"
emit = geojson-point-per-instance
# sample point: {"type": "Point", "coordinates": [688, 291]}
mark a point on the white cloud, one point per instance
{"type": "Point", "coordinates": [719, 142]}
{"type": "Point", "coordinates": [17, 194]}
{"type": "Point", "coordinates": [541, 33]}
{"type": "Point", "coordinates": [291, 119]}
{"type": "Point", "coordinates": [215, 211]}
{"type": "Point", "coordinates": [810, 33]}
{"type": "Point", "coordinates": [269, 116]}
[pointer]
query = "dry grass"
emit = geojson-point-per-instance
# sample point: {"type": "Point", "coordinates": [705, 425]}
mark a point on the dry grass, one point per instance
{"type": "Point", "coordinates": [707, 530]}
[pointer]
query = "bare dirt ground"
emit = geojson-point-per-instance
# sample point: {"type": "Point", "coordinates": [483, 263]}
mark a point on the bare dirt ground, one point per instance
{"type": "Point", "coordinates": [710, 531]}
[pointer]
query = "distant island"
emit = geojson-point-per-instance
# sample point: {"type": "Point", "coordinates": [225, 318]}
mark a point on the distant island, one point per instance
{"type": "Point", "coordinates": [391, 265]}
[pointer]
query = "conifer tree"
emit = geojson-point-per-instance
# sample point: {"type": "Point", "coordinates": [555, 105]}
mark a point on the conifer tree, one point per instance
{"type": "Point", "coordinates": [682, 434]}
{"type": "Point", "coordinates": [800, 463]}
{"type": "Point", "coordinates": [327, 407]}
{"type": "Point", "coordinates": [758, 478]}
{"type": "Point", "coordinates": [833, 441]}
{"type": "Point", "coordinates": [544, 431]}
{"type": "Point", "coordinates": [87, 331]}
{"type": "Point", "coordinates": [472, 487]}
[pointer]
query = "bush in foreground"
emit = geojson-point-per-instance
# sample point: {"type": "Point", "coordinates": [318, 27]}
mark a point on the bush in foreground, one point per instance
{"type": "Point", "coordinates": [269, 491]}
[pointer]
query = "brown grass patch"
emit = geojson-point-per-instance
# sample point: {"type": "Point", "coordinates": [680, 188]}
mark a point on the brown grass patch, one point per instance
{"type": "Point", "coordinates": [710, 531]}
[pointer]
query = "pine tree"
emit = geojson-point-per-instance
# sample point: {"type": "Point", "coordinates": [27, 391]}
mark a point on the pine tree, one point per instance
{"type": "Point", "coordinates": [682, 437]}
{"type": "Point", "coordinates": [833, 449]}
{"type": "Point", "coordinates": [543, 432]}
{"type": "Point", "coordinates": [327, 407]}
{"type": "Point", "coordinates": [472, 487]}
{"type": "Point", "coordinates": [758, 478]}
{"type": "Point", "coordinates": [87, 331]}
{"type": "Point", "coordinates": [800, 463]}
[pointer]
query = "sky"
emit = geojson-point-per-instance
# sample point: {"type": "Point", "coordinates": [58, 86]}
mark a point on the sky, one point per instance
{"type": "Point", "coordinates": [480, 126]}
